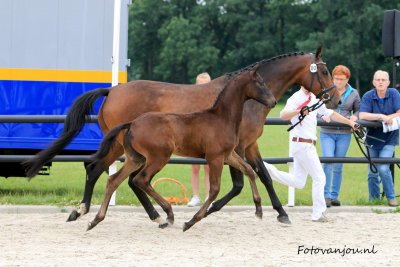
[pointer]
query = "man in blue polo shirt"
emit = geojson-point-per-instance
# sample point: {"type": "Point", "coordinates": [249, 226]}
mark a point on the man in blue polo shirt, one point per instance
{"type": "Point", "coordinates": [381, 104]}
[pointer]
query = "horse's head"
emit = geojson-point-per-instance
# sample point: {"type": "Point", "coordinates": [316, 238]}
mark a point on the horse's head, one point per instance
{"type": "Point", "coordinates": [319, 81]}
{"type": "Point", "coordinates": [258, 90]}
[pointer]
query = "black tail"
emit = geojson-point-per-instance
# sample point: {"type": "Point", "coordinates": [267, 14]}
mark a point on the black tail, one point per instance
{"type": "Point", "coordinates": [106, 145]}
{"type": "Point", "coordinates": [73, 124]}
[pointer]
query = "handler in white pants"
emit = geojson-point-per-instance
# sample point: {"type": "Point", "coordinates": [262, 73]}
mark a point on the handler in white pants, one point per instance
{"type": "Point", "coordinates": [302, 147]}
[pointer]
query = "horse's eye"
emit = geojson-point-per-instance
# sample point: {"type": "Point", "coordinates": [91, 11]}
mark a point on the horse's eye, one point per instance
{"type": "Point", "coordinates": [324, 72]}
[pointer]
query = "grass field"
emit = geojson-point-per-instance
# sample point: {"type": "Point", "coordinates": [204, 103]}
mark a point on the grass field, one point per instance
{"type": "Point", "coordinates": [64, 186]}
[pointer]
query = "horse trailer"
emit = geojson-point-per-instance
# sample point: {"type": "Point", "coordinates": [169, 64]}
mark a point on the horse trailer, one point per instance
{"type": "Point", "coordinates": [51, 52]}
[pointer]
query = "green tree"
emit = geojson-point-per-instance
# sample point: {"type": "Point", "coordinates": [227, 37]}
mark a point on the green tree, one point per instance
{"type": "Point", "coordinates": [145, 18]}
{"type": "Point", "coordinates": [185, 53]}
{"type": "Point", "coordinates": [351, 33]}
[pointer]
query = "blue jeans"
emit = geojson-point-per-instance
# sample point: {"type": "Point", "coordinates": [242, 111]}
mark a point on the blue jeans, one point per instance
{"type": "Point", "coordinates": [334, 145]}
{"type": "Point", "coordinates": [383, 173]}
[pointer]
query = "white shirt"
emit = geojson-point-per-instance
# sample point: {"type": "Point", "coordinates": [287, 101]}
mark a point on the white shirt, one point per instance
{"type": "Point", "coordinates": [308, 127]}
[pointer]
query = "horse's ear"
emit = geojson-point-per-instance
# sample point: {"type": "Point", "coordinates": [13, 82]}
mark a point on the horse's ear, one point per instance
{"type": "Point", "coordinates": [254, 75]}
{"type": "Point", "coordinates": [254, 72]}
{"type": "Point", "coordinates": [318, 53]}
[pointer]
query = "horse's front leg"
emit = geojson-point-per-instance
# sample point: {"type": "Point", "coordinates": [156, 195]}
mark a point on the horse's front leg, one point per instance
{"type": "Point", "coordinates": [237, 186]}
{"type": "Point", "coordinates": [216, 165]}
{"type": "Point", "coordinates": [254, 159]}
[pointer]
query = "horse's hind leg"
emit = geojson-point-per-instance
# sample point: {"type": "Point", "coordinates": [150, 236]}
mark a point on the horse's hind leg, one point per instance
{"type": "Point", "coordinates": [144, 200]}
{"type": "Point", "coordinates": [254, 159]}
{"type": "Point", "coordinates": [92, 175]}
{"type": "Point", "coordinates": [216, 165]}
{"type": "Point", "coordinates": [142, 181]}
{"type": "Point", "coordinates": [237, 162]}
{"type": "Point", "coordinates": [112, 184]}
{"type": "Point", "coordinates": [237, 186]}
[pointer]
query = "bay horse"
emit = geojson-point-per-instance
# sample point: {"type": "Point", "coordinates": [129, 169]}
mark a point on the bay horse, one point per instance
{"type": "Point", "coordinates": [125, 102]}
{"type": "Point", "coordinates": [153, 137]}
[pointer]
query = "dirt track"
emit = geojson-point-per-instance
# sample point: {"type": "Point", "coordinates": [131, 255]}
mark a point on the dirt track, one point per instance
{"type": "Point", "coordinates": [231, 238]}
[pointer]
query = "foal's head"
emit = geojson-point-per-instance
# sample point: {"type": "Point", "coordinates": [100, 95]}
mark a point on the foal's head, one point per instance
{"type": "Point", "coordinates": [257, 89]}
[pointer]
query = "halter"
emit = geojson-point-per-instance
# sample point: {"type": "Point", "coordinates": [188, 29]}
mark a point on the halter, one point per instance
{"type": "Point", "coordinates": [324, 93]}
{"type": "Point", "coordinates": [314, 72]}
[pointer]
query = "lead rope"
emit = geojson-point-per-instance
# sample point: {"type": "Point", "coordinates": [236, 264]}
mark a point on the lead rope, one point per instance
{"type": "Point", "coordinates": [309, 109]}
{"type": "Point", "coordinates": [360, 134]}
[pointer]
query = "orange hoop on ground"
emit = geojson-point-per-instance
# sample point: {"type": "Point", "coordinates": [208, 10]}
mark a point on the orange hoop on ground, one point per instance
{"type": "Point", "coordinates": [173, 199]}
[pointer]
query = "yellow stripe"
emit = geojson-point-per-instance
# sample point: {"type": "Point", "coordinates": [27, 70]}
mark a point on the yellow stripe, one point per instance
{"type": "Point", "coordinates": [94, 76]}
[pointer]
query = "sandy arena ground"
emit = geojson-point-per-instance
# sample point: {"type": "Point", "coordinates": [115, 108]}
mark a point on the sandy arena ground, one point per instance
{"type": "Point", "coordinates": [230, 238]}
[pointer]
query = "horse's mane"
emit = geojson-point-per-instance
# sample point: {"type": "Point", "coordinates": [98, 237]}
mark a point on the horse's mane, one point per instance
{"type": "Point", "coordinates": [232, 75]}
{"type": "Point", "coordinates": [264, 61]}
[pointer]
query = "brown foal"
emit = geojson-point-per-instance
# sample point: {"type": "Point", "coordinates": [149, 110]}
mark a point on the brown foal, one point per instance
{"type": "Point", "coordinates": [151, 139]}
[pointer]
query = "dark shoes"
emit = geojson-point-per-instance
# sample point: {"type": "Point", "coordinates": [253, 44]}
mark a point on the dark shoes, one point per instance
{"type": "Point", "coordinates": [393, 203]}
{"type": "Point", "coordinates": [335, 202]}
{"type": "Point", "coordinates": [328, 202]}
{"type": "Point", "coordinates": [332, 202]}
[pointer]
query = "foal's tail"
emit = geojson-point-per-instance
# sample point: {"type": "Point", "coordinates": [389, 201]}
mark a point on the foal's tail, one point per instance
{"type": "Point", "coordinates": [105, 146]}
{"type": "Point", "coordinates": [73, 124]}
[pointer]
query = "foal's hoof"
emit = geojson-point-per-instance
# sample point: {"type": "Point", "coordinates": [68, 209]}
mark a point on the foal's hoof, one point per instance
{"type": "Point", "coordinates": [91, 225]}
{"type": "Point", "coordinates": [186, 226]}
{"type": "Point", "coordinates": [163, 225]}
{"type": "Point", "coordinates": [284, 219]}
{"type": "Point", "coordinates": [73, 216]}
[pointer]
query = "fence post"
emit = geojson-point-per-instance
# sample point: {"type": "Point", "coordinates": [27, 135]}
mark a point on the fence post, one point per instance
{"type": "Point", "coordinates": [291, 190]}
{"type": "Point", "coordinates": [112, 169]}
{"type": "Point", "coordinates": [115, 70]}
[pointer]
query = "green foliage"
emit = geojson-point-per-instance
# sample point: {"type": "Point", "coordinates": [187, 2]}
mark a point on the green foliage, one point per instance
{"type": "Point", "coordinates": [351, 32]}
{"type": "Point", "coordinates": [175, 40]}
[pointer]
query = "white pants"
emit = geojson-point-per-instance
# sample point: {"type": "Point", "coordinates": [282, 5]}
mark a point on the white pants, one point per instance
{"type": "Point", "coordinates": [305, 161]}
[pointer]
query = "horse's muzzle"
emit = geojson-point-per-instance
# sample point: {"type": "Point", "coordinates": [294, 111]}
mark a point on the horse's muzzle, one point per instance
{"type": "Point", "coordinates": [272, 104]}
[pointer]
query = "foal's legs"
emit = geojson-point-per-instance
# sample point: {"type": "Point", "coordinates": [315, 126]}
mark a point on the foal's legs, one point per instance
{"type": "Point", "coordinates": [142, 181]}
{"type": "Point", "coordinates": [216, 165]}
{"type": "Point", "coordinates": [92, 176]}
{"type": "Point", "coordinates": [144, 200]}
{"type": "Point", "coordinates": [254, 159]}
{"type": "Point", "coordinates": [112, 184]}
{"type": "Point", "coordinates": [237, 162]}
{"type": "Point", "coordinates": [237, 185]}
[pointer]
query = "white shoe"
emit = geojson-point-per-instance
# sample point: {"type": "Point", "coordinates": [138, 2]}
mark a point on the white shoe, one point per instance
{"type": "Point", "coordinates": [195, 201]}
{"type": "Point", "coordinates": [322, 219]}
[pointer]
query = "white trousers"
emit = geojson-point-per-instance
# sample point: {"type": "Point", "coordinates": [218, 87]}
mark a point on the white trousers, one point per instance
{"type": "Point", "coordinates": [305, 161]}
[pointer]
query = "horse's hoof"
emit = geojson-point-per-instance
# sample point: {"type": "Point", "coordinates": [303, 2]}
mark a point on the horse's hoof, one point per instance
{"type": "Point", "coordinates": [284, 219]}
{"type": "Point", "coordinates": [186, 226]}
{"type": "Point", "coordinates": [73, 216]}
{"type": "Point", "coordinates": [259, 215]}
{"type": "Point", "coordinates": [163, 225]}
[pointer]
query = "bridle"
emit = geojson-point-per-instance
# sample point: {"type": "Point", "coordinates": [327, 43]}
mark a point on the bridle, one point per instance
{"type": "Point", "coordinates": [323, 96]}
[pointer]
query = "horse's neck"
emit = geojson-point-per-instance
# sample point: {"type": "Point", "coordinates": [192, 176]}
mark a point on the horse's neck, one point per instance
{"type": "Point", "coordinates": [282, 74]}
